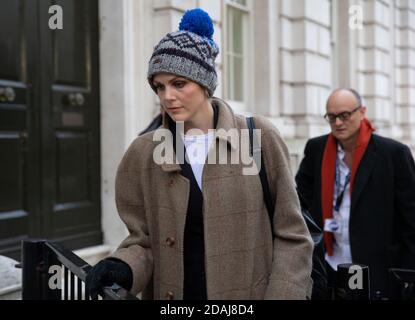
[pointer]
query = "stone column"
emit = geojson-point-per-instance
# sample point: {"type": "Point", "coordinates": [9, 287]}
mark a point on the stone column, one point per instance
{"type": "Point", "coordinates": [405, 70]}
{"type": "Point", "coordinates": [126, 99]}
{"type": "Point", "coordinates": [305, 63]}
{"type": "Point", "coordinates": [305, 71]}
{"type": "Point", "coordinates": [375, 70]}
{"type": "Point", "coordinates": [265, 58]}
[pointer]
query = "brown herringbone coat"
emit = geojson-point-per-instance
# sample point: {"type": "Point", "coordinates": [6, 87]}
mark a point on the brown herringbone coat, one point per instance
{"type": "Point", "coordinates": [242, 260]}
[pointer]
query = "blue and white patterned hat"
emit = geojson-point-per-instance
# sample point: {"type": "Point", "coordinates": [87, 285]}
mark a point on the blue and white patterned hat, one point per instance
{"type": "Point", "coordinates": [189, 52]}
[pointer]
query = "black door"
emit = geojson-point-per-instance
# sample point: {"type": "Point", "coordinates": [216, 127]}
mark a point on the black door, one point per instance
{"type": "Point", "coordinates": [19, 166]}
{"type": "Point", "coordinates": [49, 124]}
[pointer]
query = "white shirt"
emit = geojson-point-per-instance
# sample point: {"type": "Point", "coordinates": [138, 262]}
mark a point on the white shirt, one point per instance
{"type": "Point", "coordinates": [341, 244]}
{"type": "Point", "coordinates": [197, 148]}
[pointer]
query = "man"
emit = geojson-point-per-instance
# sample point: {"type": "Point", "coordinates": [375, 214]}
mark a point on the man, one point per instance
{"type": "Point", "coordinates": [360, 188]}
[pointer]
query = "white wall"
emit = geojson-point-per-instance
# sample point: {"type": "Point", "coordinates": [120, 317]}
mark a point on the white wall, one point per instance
{"type": "Point", "coordinates": [127, 105]}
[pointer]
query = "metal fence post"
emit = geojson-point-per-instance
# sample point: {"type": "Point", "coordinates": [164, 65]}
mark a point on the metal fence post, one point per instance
{"type": "Point", "coordinates": [352, 282]}
{"type": "Point", "coordinates": [36, 260]}
{"type": "Point", "coordinates": [31, 267]}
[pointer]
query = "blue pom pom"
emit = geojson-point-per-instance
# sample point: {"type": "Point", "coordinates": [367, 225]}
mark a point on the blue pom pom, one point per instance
{"type": "Point", "coordinates": [197, 21]}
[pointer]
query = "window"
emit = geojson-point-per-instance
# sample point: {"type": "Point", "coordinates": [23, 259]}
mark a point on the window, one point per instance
{"type": "Point", "coordinates": [237, 15]}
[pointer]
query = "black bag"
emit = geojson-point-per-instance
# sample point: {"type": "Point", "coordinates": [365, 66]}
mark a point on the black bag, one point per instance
{"type": "Point", "coordinates": [319, 274]}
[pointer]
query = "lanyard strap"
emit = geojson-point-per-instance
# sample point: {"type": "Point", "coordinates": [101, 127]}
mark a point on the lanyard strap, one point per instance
{"type": "Point", "coordinates": [340, 195]}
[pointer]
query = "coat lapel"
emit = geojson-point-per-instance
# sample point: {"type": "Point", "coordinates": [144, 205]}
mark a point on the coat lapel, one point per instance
{"type": "Point", "coordinates": [363, 173]}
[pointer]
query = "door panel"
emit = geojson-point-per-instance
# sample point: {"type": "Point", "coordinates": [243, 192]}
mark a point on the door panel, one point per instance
{"type": "Point", "coordinates": [71, 45]}
{"type": "Point", "coordinates": [10, 35]}
{"type": "Point", "coordinates": [13, 202]}
{"type": "Point", "coordinates": [72, 170]}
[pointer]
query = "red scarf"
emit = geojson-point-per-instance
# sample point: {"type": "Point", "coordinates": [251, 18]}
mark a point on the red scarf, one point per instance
{"type": "Point", "coordinates": [329, 169]}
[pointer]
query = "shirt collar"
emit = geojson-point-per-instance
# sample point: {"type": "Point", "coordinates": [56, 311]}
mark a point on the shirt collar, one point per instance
{"type": "Point", "coordinates": [224, 119]}
{"type": "Point", "coordinates": [340, 152]}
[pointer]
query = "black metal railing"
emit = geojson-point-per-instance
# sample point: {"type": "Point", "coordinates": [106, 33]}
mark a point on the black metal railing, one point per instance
{"type": "Point", "coordinates": [52, 272]}
{"type": "Point", "coordinates": [401, 284]}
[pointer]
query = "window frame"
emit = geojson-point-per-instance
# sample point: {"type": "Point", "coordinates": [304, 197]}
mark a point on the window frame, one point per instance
{"type": "Point", "coordinates": [238, 106]}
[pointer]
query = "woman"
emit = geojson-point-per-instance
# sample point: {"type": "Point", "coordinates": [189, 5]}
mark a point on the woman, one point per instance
{"type": "Point", "coordinates": [201, 230]}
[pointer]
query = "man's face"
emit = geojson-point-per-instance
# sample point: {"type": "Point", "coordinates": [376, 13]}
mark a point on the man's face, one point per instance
{"type": "Point", "coordinates": [340, 102]}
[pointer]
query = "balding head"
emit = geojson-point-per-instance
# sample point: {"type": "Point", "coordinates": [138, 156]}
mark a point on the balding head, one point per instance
{"type": "Point", "coordinates": [345, 113]}
{"type": "Point", "coordinates": [346, 93]}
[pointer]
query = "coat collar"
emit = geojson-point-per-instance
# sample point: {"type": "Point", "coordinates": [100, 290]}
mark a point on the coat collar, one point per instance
{"type": "Point", "coordinates": [226, 121]}
{"type": "Point", "coordinates": [364, 171]}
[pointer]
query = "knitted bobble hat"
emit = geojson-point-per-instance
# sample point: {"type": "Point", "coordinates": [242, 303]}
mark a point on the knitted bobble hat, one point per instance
{"type": "Point", "coordinates": [189, 52]}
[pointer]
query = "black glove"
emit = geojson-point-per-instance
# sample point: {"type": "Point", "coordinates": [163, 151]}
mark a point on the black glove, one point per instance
{"type": "Point", "coordinates": [107, 272]}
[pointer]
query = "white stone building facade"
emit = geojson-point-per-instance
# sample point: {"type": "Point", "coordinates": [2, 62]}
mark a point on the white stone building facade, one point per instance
{"type": "Point", "coordinates": [279, 58]}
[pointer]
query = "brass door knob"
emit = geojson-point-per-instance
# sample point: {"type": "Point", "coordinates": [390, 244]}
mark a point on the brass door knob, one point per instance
{"type": "Point", "coordinates": [74, 99]}
{"type": "Point", "coordinates": [24, 135]}
{"type": "Point", "coordinates": [7, 94]}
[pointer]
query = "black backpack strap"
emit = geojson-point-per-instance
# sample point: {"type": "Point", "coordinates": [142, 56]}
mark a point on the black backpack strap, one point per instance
{"type": "Point", "coordinates": [257, 154]}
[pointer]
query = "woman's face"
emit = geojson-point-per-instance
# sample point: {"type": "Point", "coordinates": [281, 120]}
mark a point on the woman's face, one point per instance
{"type": "Point", "coordinates": [181, 98]}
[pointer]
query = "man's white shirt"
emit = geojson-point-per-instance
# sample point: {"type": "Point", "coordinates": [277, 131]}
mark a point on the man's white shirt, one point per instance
{"type": "Point", "coordinates": [341, 244]}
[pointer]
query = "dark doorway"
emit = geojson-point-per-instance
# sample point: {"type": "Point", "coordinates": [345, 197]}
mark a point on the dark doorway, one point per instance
{"type": "Point", "coordinates": [49, 124]}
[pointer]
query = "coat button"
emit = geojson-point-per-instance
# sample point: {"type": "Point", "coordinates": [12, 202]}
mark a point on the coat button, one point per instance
{"type": "Point", "coordinates": [169, 295]}
{"type": "Point", "coordinates": [171, 183]}
{"type": "Point", "coordinates": [170, 241]}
